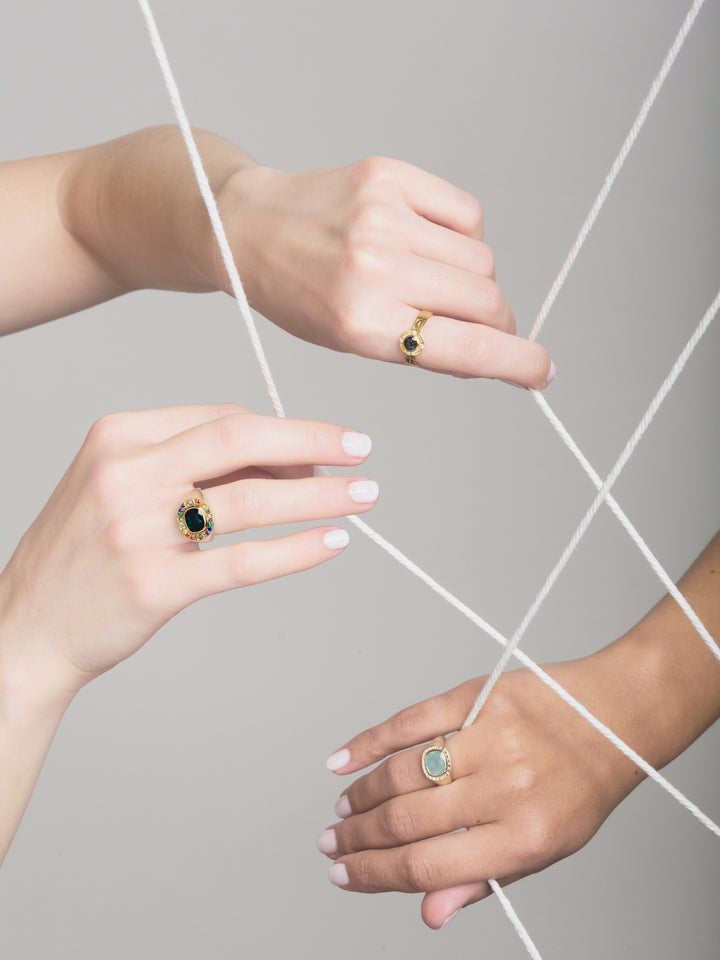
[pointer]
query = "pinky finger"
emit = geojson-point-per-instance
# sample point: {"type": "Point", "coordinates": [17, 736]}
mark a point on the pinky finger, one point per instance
{"type": "Point", "coordinates": [244, 564]}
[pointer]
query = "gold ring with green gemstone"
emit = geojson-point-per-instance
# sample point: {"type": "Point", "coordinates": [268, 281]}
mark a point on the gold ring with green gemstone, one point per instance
{"type": "Point", "coordinates": [436, 763]}
{"type": "Point", "coordinates": [411, 341]}
{"type": "Point", "coordinates": [195, 518]}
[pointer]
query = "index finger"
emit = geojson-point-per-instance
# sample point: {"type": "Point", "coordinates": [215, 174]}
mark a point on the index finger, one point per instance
{"type": "Point", "coordinates": [408, 728]}
{"type": "Point", "coordinates": [440, 201]}
{"type": "Point", "coordinates": [240, 440]}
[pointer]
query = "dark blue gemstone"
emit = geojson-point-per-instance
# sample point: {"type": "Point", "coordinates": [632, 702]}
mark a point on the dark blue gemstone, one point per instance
{"type": "Point", "coordinates": [410, 344]}
{"type": "Point", "coordinates": [195, 520]}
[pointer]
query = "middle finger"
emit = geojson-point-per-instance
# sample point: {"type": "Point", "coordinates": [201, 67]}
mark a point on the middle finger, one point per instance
{"type": "Point", "coordinates": [246, 504]}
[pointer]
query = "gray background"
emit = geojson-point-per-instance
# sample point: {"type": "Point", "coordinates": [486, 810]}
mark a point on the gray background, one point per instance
{"type": "Point", "coordinates": [177, 811]}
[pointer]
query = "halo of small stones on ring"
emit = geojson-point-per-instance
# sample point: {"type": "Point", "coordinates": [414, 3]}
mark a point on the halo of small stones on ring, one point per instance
{"type": "Point", "coordinates": [439, 762]}
{"type": "Point", "coordinates": [195, 520]}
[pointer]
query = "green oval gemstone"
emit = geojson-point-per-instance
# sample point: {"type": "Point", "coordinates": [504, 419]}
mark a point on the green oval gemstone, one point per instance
{"type": "Point", "coordinates": [195, 520]}
{"type": "Point", "coordinates": [436, 763]}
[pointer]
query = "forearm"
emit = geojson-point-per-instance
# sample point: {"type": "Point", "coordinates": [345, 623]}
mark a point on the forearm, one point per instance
{"type": "Point", "coordinates": [33, 700]}
{"type": "Point", "coordinates": [666, 677]}
{"type": "Point", "coordinates": [88, 225]}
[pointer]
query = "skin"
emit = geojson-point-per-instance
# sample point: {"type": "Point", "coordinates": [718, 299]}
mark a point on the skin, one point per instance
{"type": "Point", "coordinates": [344, 257]}
{"type": "Point", "coordinates": [91, 581]}
{"type": "Point", "coordinates": [533, 782]}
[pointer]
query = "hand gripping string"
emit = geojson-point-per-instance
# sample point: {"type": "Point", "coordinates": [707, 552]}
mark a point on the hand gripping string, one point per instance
{"type": "Point", "coordinates": [604, 495]}
{"type": "Point", "coordinates": [377, 538]}
{"type": "Point", "coordinates": [620, 159]}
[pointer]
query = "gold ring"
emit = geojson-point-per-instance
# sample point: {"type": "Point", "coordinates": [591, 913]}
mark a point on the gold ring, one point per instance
{"type": "Point", "coordinates": [411, 342]}
{"type": "Point", "coordinates": [195, 518]}
{"type": "Point", "coordinates": [436, 763]}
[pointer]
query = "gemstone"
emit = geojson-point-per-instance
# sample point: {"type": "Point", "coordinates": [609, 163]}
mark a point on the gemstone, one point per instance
{"type": "Point", "coordinates": [435, 763]}
{"type": "Point", "coordinates": [195, 520]}
{"type": "Point", "coordinates": [410, 344]}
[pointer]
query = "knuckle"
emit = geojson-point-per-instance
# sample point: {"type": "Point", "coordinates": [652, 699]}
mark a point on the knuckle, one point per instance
{"type": "Point", "coordinates": [525, 780]}
{"type": "Point", "coordinates": [407, 723]}
{"type": "Point", "coordinates": [397, 823]}
{"type": "Point", "coordinates": [397, 776]}
{"type": "Point", "coordinates": [231, 409]}
{"type": "Point", "coordinates": [473, 213]}
{"type": "Point", "coordinates": [233, 430]}
{"type": "Point", "coordinates": [478, 351]}
{"type": "Point", "coordinates": [421, 872]}
{"type": "Point", "coordinates": [107, 429]}
{"type": "Point", "coordinates": [488, 262]}
{"type": "Point", "coordinates": [492, 302]}
{"type": "Point", "coordinates": [242, 565]}
{"type": "Point", "coordinates": [372, 172]}
{"type": "Point", "coordinates": [538, 839]}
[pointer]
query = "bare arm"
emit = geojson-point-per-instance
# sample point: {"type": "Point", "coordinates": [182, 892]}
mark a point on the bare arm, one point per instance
{"type": "Point", "coordinates": [85, 226]}
{"type": "Point", "coordinates": [345, 257]}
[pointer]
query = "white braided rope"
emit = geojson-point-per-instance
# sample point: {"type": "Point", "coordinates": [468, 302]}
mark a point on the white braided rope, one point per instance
{"type": "Point", "coordinates": [239, 293]}
{"type": "Point", "coordinates": [603, 494]}
{"type": "Point", "coordinates": [617, 166]}
{"type": "Point", "coordinates": [515, 919]}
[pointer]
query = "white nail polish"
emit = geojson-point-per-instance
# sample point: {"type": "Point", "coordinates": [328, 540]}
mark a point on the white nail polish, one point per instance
{"type": "Point", "coordinates": [363, 491]}
{"type": "Point", "coordinates": [327, 842]}
{"type": "Point", "coordinates": [451, 917]}
{"type": "Point", "coordinates": [356, 444]}
{"type": "Point", "coordinates": [343, 808]}
{"type": "Point", "coordinates": [551, 373]}
{"type": "Point", "coordinates": [338, 759]}
{"type": "Point", "coordinates": [336, 539]}
{"type": "Point", "coordinates": [338, 875]}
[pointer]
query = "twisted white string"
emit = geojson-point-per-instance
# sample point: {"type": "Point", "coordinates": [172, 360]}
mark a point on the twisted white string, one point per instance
{"type": "Point", "coordinates": [239, 293]}
{"type": "Point", "coordinates": [617, 166]}
{"type": "Point", "coordinates": [515, 920]}
{"type": "Point", "coordinates": [604, 494]}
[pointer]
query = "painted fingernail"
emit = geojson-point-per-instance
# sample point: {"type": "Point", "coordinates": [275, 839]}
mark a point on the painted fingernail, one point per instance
{"type": "Point", "coordinates": [451, 917]}
{"type": "Point", "coordinates": [343, 808]}
{"type": "Point", "coordinates": [336, 539]}
{"type": "Point", "coordinates": [363, 491]}
{"type": "Point", "coordinates": [551, 373]}
{"type": "Point", "coordinates": [356, 444]}
{"type": "Point", "coordinates": [327, 842]}
{"type": "Point", "coordinates": [338, 759]}
{"type": "Point", "coordinates": [338, 875]}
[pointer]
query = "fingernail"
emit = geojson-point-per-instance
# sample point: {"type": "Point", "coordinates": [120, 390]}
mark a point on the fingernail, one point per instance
{"type": "Point", "coordinates": [336, 539]}
{"type": "Point", "coordinates": [356, 444]}
{"type": "Point", "coordinates": [363, 491]}
{"type": "Point", "coordinates": [343, 808]}
{"type": "Point", "coordinates": [551, 373]}
{"type": "Point", "coordinates": [338, 759]}
{"type": "Point", "coordinates": [451, 917]}
{"type": "Point", "coordinates": [338, 875]}
{"type": "Point", "coordinates": [327, 842]}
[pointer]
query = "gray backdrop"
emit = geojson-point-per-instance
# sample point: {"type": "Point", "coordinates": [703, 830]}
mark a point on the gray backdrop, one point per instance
{"type": "Point", "coordinates": [145, 836]}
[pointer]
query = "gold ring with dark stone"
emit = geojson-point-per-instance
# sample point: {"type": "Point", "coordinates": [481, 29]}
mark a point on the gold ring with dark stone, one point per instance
{"type": "Point", "coordinates": [195, 518]}
{"type": "Point", "coordinates": [411, 341]}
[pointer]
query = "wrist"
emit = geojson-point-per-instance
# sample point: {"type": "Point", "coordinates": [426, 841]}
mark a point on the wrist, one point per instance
{"type": "Point", "coordinates": [34, 684]}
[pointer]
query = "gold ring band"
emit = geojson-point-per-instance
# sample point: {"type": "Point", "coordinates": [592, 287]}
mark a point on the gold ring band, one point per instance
{"type": "Point", "coordinates": [436, 763]}
{"type": "Point", "coordinates": [411, 341]}
{"type": "Point", "coordinates": [195, 517]}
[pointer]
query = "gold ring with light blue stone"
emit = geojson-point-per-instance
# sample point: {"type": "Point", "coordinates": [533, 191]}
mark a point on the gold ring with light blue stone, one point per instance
{"type": "Point", "coordinates": [436, 763]}
{"type": "Point", "coordinates": [195, 518]}
{"type": "Point", "coordinates": [411, 342]}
